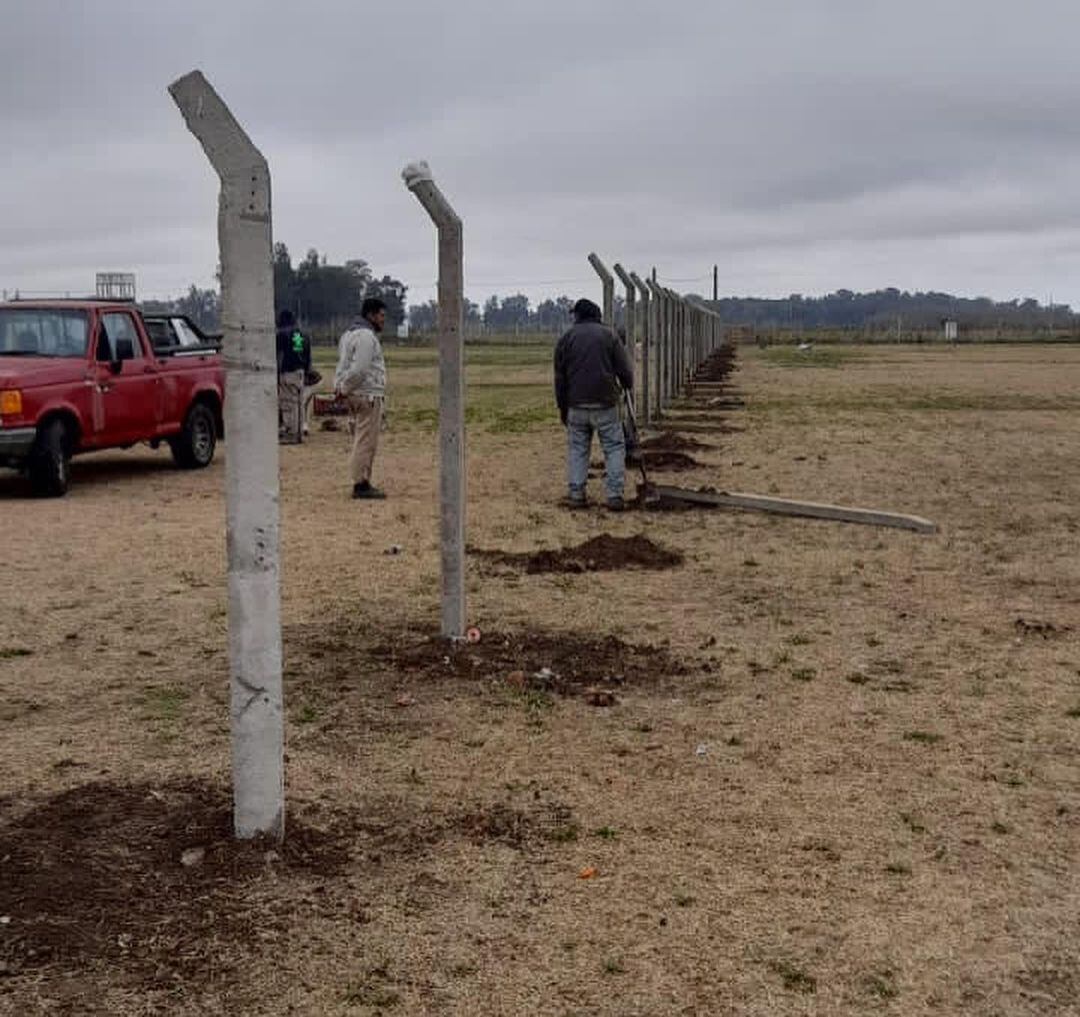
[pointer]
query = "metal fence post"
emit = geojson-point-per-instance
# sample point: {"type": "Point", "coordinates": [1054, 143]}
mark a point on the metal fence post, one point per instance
{"type": "Point", "coordinates": [251, 466]}
{"type": "Point", "coordinates": [418, 179]}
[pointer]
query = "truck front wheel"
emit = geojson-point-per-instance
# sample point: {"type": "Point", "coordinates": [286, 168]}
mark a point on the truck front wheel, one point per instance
{"type": "Point", "coordinates": [50, 461]}
{"type": "Point", "coordinates": [193, 448]}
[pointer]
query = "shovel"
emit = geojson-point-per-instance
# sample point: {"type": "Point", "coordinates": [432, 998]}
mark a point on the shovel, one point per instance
{"type": "Point", "coordinates": [647, 493]}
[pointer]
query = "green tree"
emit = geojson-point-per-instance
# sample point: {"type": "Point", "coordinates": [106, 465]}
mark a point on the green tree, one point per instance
{"type": "Point", "coordinates": [392, 292]}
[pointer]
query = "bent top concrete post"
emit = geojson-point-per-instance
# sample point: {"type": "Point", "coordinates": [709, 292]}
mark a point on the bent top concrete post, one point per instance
{"type": "Point", "coordinates": [648, 334]}
{"type": "Point", "coordinates": [608, 282]}
{"type": "Point", "coordinates": [631, 330]}
{"type": "Point", "coordinates": [251, 467]}
{"type": "Point", "coordinates": [660, 315]}
{"type": "Point", "coordinates": [418, 179]}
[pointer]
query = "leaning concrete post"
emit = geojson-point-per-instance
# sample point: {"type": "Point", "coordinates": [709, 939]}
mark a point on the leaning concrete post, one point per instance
{"type": "Point", "coordinates": [631, 330]}
{"type": "Point", "coordinates": [608, 282]}
{"type": "Point", "coordinates": [648, 333]}
{"type": "Point", "coordinates": [251, 466]}
{"type": "Point", "coordinates": [418, 179]}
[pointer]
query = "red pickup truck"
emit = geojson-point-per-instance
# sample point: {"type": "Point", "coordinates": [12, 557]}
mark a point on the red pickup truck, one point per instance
{"type": "Point", "coordinates": [82, 375]}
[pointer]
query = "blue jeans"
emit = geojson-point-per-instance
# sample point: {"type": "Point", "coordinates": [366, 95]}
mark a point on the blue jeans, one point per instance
{"type": "Point", "coordinates": [580, 424]}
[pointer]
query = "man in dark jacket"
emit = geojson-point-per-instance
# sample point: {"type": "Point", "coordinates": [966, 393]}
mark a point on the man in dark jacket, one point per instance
{"type": "Point", "coordinates": [293, 363]}
{"type": "Point", "coordinates": [591, 370]}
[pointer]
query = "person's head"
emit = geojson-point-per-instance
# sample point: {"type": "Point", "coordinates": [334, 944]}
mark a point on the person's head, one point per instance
{"type": "Point", "coordinates": [373, 311]}
{"type": "Point", "coordinates": [285, 318]}
{"type": "Point", "coordinates": [585, 310]}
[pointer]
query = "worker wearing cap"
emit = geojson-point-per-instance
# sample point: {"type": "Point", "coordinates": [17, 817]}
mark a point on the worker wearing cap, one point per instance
{"type": "Point", "coordinates": [293, 363]}
{"type": "Point", "coordinates": [591, 371]}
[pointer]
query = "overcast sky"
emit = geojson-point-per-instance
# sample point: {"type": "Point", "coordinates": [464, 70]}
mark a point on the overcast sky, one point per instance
{"type": "Point", "coordinates": [802, 146]}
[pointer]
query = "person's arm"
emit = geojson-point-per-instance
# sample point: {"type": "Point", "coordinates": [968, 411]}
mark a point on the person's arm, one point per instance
{"type": "Point", "coordinates": [345, 355]}
{"type": "Point", "coordinates": [560, 378]}
{"type": "Point", "coordinates": [280, 352]}
{"type": "Point", "coordinates": [624, 370]}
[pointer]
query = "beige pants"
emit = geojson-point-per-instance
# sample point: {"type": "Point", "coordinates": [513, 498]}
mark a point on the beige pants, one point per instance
{"type": "Point", "coordinates": [364, 424]}
{"type": "Point", "coordinates": [290, 392]}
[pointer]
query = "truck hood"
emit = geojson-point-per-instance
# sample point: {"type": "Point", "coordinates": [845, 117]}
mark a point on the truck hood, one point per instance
{"type": "Point", "coordinates": [32, 372]}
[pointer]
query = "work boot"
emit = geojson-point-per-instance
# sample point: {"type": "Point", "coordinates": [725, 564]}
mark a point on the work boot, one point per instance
{"type": "Point", "coordinates": [365, 490]}
{"type": "Point", "coordinates": [575, 501]}
{"type": "Point", "coordinates": [615, 505]}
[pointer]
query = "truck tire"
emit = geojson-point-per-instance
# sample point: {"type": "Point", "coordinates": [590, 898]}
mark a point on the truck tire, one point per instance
{"type": "Point", "coordinates": [193, 448]}
{"type": "Point", "coordinates": [50, 460]}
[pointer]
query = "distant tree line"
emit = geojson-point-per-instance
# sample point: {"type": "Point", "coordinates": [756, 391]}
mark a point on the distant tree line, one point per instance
{"type": "Point", "coordinates": [891, 308]}
{"type": "Point", "coordinates": [325, 298]}
{"type": "Point", "coordinates": [513, 314]}
{"type": "Point", "coordinates": [882, 310]}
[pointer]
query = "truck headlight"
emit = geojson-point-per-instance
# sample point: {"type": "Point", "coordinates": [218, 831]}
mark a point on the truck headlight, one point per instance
{"type": "Point", "coordinates": [10, 402]}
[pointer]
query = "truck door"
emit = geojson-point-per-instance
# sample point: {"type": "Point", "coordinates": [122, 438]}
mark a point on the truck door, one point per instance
{"type": "Point", "coordinates": [128, 380]}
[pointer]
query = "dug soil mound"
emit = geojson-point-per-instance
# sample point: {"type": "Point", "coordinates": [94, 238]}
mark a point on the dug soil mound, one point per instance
{"type": "Point", "coordinates": [560, 662]}
{"type": "Point", "coordinates": [670, 462]}
{"type": "Point", "coordinates": [718, 365]}
{"type": "Point", "coordinates": [145, 881]}
{"type": "Point", "coordinates": [669, 441]}
{"type": "Point", "coordinates": [599, 554]}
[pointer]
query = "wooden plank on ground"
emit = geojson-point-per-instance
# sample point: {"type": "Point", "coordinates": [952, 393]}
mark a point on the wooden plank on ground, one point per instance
{"type": "Point", "coordinates": [789, 507]}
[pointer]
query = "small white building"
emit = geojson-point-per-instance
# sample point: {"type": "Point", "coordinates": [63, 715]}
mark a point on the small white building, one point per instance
{"type": "Point", "coordinates": [952, 330]}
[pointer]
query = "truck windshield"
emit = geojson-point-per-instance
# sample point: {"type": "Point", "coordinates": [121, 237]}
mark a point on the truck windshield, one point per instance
{"type": "Point", "coordinates": [42, 332]}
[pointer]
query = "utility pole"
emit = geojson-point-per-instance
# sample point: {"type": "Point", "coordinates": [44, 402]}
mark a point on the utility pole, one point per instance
{"type": "Point", "coordinates": [715, 283]}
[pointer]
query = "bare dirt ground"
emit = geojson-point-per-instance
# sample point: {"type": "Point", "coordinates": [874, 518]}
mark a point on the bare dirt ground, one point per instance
{"type": "Point", "coordinates": [796, 767]}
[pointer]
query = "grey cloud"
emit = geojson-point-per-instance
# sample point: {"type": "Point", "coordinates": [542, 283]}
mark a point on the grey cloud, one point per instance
{"type": "Point", "coordinates": [804, 146]}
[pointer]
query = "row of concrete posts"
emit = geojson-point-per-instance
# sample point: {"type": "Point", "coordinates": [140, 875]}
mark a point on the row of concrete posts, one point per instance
{"type": "Point", "coordinates": [668, 337]}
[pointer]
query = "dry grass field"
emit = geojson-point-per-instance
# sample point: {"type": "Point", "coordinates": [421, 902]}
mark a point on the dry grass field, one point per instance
{"type": "Point", "coordinates": [840, 776]}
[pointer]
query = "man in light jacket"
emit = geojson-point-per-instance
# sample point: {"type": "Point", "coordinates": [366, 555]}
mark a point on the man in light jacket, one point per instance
{"type": "Point", "coordinates": [360, 380]}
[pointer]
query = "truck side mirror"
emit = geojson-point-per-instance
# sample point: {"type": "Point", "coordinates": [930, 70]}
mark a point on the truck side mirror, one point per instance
{"type": "Point", "coordinates": [125, 350]}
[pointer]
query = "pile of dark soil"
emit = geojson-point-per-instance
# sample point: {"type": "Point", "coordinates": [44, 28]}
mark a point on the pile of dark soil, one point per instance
{"type": "Point", "coordinates": [559, 662]}
{"type": "Point", "coordinates": [718, 366]}
{"type": "Point", "coordinates": [670, 462]}
{"type": "Point", "coordinates": [599, 554]}
{"type": "Point", "coordinates": [93, 878]}
{"type": "Point", "coordinates": [669, 441]}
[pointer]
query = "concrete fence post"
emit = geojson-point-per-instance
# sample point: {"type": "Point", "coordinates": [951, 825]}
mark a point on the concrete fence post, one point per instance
{"type": "Point", "coordinates": [631, 330]}
{"type": "Point", "coordinates": [251, 465]}
{"type": "Point", "coordinates": [673, 346]}
{"type": "Point", "coordinates": [608, 282]}
{"type": "Point", "coordinates": [648, 344]}
{"type": "Point", "coordinates": [680, 345]}
{"type": "Point", "coordinates": [418, 179]}
{"type": "Point", "coordinates": [684, 360]}
{"type": "Point", "coordinates": [659, 300]}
